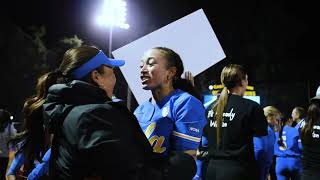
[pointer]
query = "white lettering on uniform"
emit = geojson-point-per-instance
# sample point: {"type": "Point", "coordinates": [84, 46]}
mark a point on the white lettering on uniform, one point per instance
{"type": "Point", "coordinates": [230, 114]}
{"type": "Point", "coordinates": [210, 114]}
{"type": "Point", "coordinates": [315, 135]}
{"type": "Point", "coordinates": [214, 124]}
{"type": "Point", "coordinates": [316, 127]}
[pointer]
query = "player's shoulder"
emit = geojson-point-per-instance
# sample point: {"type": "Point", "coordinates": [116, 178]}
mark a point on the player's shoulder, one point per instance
{"type": "Point", "coordinates": [250, 103]}
{"type": "Point", "coordinates": [181, 96]}
{"type": "Point", "coordinates": [145, 106]}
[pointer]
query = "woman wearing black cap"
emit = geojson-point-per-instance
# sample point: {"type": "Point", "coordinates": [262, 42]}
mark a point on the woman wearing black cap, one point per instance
{"type": "Point", "coordinates": [310, 137]}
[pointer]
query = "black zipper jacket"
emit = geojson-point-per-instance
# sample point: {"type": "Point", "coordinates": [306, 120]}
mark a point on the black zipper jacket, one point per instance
{"type": "Point", "coordinates": [93, 136]}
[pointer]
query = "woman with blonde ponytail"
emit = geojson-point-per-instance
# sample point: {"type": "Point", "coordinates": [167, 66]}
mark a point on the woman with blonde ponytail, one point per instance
{"type": "Point", "coordinates": [232, 123]}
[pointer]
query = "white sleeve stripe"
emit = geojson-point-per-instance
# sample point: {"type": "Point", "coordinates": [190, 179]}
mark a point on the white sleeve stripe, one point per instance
{"type": "Point", "coordinates": [184, 136]}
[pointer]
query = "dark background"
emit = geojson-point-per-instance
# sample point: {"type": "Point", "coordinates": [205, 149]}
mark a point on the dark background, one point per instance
{"type": "Point", "coordinates": [274, 40]}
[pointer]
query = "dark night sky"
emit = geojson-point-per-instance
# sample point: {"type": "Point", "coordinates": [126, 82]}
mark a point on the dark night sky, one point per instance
{"type": "Point", "coordinates": [69, 17]}
{"type": "Point", "coordinates": [272, 38]}
{"type": "Point", "coordinates": [282, 26]}
{"type": "Point", "coordinates": [287, 23]}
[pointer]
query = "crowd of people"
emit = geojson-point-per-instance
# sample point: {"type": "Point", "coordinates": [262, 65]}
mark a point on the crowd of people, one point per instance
{"type": "Point", "coordinates": [75, 129]}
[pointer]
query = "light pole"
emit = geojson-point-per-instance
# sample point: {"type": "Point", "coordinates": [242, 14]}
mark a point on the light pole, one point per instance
{"type": "Point", "coordinates": [114, 15]}
{"type": "Point", "coordinates": [110, 40]}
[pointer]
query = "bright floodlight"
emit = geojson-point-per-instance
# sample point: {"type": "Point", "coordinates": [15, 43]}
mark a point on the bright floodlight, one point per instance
{"type": "Point", "coordinates": [113, 14]}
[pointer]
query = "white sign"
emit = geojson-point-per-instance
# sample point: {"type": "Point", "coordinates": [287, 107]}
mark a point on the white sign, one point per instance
{"type": "Point", "coordinates": [191, 37]}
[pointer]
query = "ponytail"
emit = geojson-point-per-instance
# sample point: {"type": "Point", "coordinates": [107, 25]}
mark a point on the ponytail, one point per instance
{"type": "Point", "coordinates": [32, 140]}
{"type": "Point", "coordinates": [218, 108]}
{"type": "Point", "coordinates": [231, 76]}
{"type": "Point", "coordinates": [280, 141]}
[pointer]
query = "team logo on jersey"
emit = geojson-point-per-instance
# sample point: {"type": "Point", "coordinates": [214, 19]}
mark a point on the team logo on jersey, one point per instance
{"type": "Point", "coordinates": [148, 132]}
{"type": "Point", "coordinates": [194, 129]}
{"type": "Point", "coordinates": [165, 111]}
{"type": "Point", "coordinates": [155, 141]}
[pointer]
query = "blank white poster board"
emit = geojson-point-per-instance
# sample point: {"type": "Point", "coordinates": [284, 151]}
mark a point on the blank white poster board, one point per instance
{"type": "Point", "coordinates": [192, 37]}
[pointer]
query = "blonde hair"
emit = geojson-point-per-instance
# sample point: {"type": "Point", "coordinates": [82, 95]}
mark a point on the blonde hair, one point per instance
{"type": "Point", "coordinates": [231, 76]}
{"type": "Point", "coordinates": [271, 111]}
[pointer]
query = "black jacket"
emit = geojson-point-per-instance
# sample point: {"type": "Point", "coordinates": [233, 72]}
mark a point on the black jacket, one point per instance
{"type": "Point", "coordinates": [93, 135]}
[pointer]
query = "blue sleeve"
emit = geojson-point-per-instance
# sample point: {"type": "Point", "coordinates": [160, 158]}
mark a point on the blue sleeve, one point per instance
{"type": "Point", "coordinates": [198, 173]}
{"type": "Point", "coordinates": [298, 141]}
{"type": "Point", "coordinates": [189, 122]}
{"type": "Point", "coordinates": [258, 144]}
{"type": "Point", "coordinates": [42, 168]}
{"type": "Point", "coordinates": [204, 141]}
{"type": "Point", "coordinates": [16, 164]}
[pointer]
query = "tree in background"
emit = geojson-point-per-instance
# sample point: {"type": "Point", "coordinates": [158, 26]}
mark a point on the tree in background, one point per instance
{"type": "Point", "coordinates": [26, 57]}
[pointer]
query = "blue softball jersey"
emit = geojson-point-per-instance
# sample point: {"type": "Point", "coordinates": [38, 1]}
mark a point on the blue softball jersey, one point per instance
{"type": "Point", "coordinates": [174, 124]}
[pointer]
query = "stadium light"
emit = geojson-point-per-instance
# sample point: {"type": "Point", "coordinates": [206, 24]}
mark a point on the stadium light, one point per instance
{"type": "Point", "coordinates": [113, 15]}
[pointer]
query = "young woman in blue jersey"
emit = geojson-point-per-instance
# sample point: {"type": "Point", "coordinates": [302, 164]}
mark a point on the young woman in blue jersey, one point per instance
{"type": "Point", "coordinates": [264, 145]}
{"type": "Point", "coordinates": [273, 115]}
{"type": "Point", "coordinates": [288, 149]}
{"type": "Point", "coordinates": [232, 123]}
{"type": "Point", "coordinates": [173, 118]}
{"type": "Point", "coordinates": [310, 136]}
{"type": "Point", "coordinates": [298, 115]}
